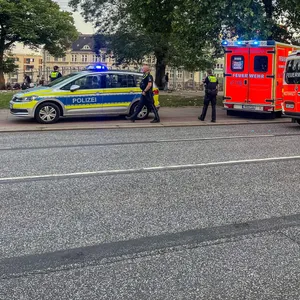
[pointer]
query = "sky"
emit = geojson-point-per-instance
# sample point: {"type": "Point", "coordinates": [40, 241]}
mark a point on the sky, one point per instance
{"type": "Point", "coordinates": [81, 26]}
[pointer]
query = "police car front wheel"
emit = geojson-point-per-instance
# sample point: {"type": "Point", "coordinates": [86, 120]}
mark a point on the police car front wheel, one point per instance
{"type": "Point", "coordinates": [47, 113]}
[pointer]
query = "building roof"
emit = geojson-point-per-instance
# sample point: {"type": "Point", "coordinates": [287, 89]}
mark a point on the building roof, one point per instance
{"type": "Point", "coordinates": [85, 42]}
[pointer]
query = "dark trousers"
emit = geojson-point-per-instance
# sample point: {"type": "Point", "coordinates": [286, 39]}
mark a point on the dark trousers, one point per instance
{"type": "Point", "coordinates": [148, 101]}
{"type": "Point", "coordinates": [209, 99]}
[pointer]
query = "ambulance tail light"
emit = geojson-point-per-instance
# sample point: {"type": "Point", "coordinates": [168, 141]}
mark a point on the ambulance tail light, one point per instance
{"type": "Point", "coordinates": [229, 105]}
{"type": "Point", "coordinates": [268, 108]}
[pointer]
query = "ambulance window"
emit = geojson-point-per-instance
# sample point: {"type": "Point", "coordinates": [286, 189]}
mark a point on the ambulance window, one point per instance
{"type": "Point", "coordinates": [261, 64]}
{"type": "Point", "coordinates": [237, 63]}
{"type": "Point", "coordinates": [292, 75]}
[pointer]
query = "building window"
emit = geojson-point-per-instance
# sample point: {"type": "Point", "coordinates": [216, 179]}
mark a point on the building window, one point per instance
{"type": "Point", "coordinates": [221, 66]}
{"type": "Point", "coordinates": [179, 74]}
{"type": "Point", "coordinates": [95, 58]}
{"type": "Point", "coordinates": [153, 59]}
{"type": "Point", "coordinates": [74, 58]}
{"type": "Point", "coordinates": [48, 57]}
{"type": "Point", "coordinates": [29, 60]}
{"type": "Point", "coordinates": [191, 75]}
{"type": "Point", "coordinates": [64, 59]}
{"type": "Point", "coordinates": [86, 47]}
{"type": "Point", "coordinates": [84, 58]}
{"type": "Point", "coordinates": [55, 58]}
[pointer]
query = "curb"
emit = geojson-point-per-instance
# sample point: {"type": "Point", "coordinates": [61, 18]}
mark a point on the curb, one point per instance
{"type": "Point", "coordinates": [136, 126]}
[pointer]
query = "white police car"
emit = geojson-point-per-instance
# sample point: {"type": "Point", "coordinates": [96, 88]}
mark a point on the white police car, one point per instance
{"type": "Point", "coordinates": [94, 91]}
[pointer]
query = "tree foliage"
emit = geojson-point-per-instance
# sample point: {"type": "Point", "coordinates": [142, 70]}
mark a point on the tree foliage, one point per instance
{"type": "Point", "coordinates": [187, 33]}
{"type": "Point", "coordinates": [34, 23]}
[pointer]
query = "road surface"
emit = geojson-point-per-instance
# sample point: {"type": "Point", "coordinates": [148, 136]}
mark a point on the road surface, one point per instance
{"type": "Point", "coordinates": [157, 213]}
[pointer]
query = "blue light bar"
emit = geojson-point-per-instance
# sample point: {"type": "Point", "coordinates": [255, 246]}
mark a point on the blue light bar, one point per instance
{"type": "Point", "coordinates": [96, 67]}
{"type": "Point", "coordinates": [224, 43]}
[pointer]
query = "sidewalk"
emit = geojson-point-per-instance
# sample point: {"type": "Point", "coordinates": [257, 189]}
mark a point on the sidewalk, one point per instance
{"type": "Point", "coordinates": [170, 117]}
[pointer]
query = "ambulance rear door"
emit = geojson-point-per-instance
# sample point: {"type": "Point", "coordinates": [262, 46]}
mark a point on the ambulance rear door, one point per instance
{"type": "Point", "coordinates": [282, 52]}
{"type": "Point", "coordinates": [292, 85]}
{"type": "Point", "coordinates": [236, 75]}
{"type": "Point", "coordinates": [261, 76]}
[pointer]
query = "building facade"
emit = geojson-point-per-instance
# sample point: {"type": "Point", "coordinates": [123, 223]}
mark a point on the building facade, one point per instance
{"type": "Point", "coordinates": [82, 53]}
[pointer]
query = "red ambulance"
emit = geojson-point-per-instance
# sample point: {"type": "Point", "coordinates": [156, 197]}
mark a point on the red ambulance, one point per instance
{"type": "Point", "coordinates": [253, 75]}
{"type": "Point", "coordinates": [291, 87]}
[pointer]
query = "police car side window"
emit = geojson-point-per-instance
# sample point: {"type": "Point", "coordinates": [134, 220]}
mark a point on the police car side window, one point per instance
{"type": "Point", "coordinates": [85, 83]}
{"type": "Point", "coordinates": [138, 79]}
{"type": "Point", "coordinates": [119, 81]}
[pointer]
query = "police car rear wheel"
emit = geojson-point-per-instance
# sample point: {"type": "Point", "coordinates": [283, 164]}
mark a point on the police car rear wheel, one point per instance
{"type": "Point", "coordinates": [143, 114]}
{"type": "Point", "coordinates": [47, 113]}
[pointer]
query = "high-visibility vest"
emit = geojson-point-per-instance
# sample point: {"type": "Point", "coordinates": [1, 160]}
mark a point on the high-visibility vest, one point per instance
{"type": "Point", "coordinates": [212, 79]}
{"type": "Point", "coordinates": [54, 75]}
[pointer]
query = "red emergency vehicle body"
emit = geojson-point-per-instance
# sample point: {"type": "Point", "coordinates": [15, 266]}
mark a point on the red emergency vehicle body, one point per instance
{"type": "Point", "coordinates": [253, 77]}
{"type": "Point", "coordinates": [291, 87]}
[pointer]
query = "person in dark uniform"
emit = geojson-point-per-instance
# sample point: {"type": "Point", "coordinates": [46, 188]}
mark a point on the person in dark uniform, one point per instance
{"type": "Point", "coordinates": [147, 99]}
{"type": "Point", "coordinates": [55, 74]}
{"type": "Point", "coordinates": [211, 92]}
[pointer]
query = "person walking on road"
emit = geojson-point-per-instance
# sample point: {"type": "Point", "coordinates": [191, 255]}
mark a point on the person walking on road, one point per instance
{"type": "Point", "coordinates": [147, 99]}
{"type": "Point", "coordinates": [55, 74]}
{"type": "Point", "coordinates": [211, 91]}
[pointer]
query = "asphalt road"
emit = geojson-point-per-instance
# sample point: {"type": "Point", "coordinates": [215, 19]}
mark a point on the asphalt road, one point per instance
{"type": "Point", "coordinates": [161, 213]}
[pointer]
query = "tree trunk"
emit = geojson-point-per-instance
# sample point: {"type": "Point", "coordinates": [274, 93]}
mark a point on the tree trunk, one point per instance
{"type": "Point", "coordinates": [160, 70]}
{"type": "Point", "coordinates": [2, 80]}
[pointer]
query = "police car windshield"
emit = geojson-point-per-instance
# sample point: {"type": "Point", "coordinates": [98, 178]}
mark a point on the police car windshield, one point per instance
{"type": "Point", "coordinates": [59, 80]}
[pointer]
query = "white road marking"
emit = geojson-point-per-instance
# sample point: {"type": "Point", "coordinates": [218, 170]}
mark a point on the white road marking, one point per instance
{"type": "Point", "coordinates": [149, 169]}
{"type": "Point", "coordinates": [219, 138]}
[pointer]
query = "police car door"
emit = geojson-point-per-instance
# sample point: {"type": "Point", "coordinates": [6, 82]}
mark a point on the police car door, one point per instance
{"type": "Point", "coordinates": [119, 92]}
{"type": "Point", "coordinates": [87, 96]}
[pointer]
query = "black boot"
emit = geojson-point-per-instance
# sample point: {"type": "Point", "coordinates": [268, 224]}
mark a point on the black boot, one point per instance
{"type": "Point", "coordinates": [130, 119]}
{"type": "Point", "coordinates": [155, 121]}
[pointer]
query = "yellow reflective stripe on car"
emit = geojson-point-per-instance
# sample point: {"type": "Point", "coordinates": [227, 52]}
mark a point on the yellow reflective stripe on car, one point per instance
{"type": "Point", "coordinates": [81, 106]}
{"type": "Point", "coordinates": [116, 104]}
{"type": "Point", "coordinates": [25, 105]}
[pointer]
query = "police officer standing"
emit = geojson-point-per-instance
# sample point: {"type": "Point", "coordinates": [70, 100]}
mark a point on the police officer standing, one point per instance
{"type": "Point", "coordinates": [55, 74]}
{"type": "Point", "coordinates": [146, 86]}
{"type": "Point", "coordinates": [211, 92]}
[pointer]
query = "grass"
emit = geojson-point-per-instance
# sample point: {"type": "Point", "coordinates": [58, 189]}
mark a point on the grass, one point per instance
{"type": "Point", "coordinates": [165, 100]}
{"type": "Point", "coordinates": [5, 97]}
{"type": "Point", "coordinates": [181, 101]}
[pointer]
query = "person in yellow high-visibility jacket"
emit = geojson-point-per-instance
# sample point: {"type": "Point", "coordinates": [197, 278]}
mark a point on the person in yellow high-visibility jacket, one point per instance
{"type": "Point", "coordinates": [55, 74]}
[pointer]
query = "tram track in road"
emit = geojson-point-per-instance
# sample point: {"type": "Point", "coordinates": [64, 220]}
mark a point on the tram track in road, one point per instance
{"type": "Point", "coordinates": [44, 177]}
{"type": "Point", "coordinates": [158, 141]}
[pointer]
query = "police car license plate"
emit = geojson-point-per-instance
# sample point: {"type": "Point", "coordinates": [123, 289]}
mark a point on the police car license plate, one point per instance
{"type": "Point", "coordinates": [289, 105]}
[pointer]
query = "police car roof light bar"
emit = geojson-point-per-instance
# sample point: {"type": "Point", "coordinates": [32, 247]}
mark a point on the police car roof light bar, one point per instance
{"type": "Point", "coordinates": [97, 67]}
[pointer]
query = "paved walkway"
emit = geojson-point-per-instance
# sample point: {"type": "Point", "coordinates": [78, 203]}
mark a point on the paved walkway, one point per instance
{"type": "Point", "coordinates": [170, 117]}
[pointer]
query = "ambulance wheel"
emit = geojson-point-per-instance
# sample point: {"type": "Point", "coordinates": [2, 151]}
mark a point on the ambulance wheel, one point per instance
{"type": "Point", "coordinates": [143, 114]}
{"type": "Point", "coordinates": [47, 113]}
{"type": "Point", "coordinates": [278, 114]}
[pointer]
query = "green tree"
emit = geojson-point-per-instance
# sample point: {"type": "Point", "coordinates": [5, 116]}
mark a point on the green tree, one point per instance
{"type": "Point", "coordinates": [137, 28]}
{"type": "Point", "coordinates": [34, 23]}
